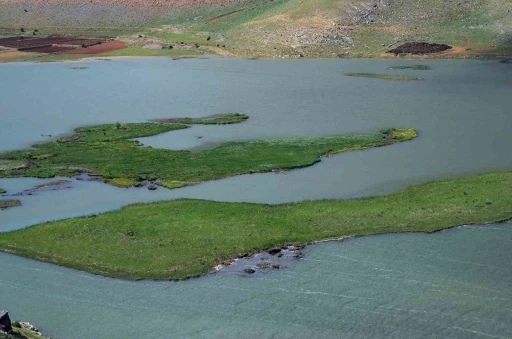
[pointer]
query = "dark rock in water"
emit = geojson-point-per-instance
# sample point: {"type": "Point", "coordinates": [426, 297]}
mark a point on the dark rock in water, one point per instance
{"type": "Point", "coordinates": [274, 251]}
{"type": "Point", "coordinates": [419, 48]}
{"type": "Point", "coordinates": [264, 264]}
{"type": "Point", "coordinates": [5, 321]}
{"type": "Point", "coordinates": [249, 270]}
{"type": "Point", "coordinates": [152, 187]}
{"type": "Point", "coordinates": [506, 61]}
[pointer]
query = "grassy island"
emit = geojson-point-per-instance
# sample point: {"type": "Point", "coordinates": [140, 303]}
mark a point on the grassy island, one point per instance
{"type": "Point", "coordinates": [383, 76]}
{"type": "Point", "coordinates": [185, 238]}
{"type": "Point", "coordinates": [108, 153]}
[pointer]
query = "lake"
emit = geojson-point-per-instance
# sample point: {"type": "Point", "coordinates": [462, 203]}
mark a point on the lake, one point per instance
{"type": "Point", "coordinates": [449, 285]}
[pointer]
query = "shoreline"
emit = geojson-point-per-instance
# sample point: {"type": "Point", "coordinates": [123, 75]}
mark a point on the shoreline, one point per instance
{"type": "Point", "coordinates": [425, 57]}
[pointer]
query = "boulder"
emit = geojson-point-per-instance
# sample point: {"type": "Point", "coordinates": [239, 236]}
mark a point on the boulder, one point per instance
{"type": "Point", "coordinates": [5, 321]}
{"type": "Point", "coordinates": [274, 251]}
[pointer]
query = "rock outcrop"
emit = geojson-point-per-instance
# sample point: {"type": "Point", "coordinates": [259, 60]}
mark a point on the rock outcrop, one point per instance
{"type": "Point", "coordinates": [5, 321]}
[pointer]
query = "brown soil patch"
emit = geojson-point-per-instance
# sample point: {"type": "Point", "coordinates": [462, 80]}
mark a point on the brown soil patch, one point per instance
{"type": "Point", "coordinates": [103, 48]}
{"type": "Point", "coordinates": [50, 49]}
{"type": "Point", "coordinates": [11, 55]}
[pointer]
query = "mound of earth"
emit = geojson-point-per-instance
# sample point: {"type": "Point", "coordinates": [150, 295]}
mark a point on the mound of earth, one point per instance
{"type": "Point", "coordinates": [419, 48]}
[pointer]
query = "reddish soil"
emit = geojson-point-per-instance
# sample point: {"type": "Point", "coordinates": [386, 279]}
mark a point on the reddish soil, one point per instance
{"type": "Point", "coordinates": [97, 49]}
{"type": "Point", "coordinates": [62, 43]}
{"type": "Point", "coordinates": [49, 49]}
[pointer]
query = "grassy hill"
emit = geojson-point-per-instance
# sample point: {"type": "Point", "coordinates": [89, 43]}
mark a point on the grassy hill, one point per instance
{"type": "Point", "coordinates": [279, 28]}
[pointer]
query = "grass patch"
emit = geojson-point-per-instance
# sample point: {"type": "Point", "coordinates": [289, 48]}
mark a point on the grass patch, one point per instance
{"type": "Point", "coordinates": [222, 119]}
{"type": "Point", "coordinates": [171, 184]}
{"type": "Point", "coordinates": [414, 67]}
{"type": "Point", "coordinates": [383, 76]}
{"type": "Point", "coordinates": [123, 182]}
{"type": "Point", "coordinates": [401, 134]}
{"type": "Point", "coordinates": [21, 331]}
{"type": "Point", "coordinates": [2, 191]}
{"type": "Point", "coordinates": [184, 238]}
{"type": "Point", "coordinates": [9, 203]}
{"type": "Point", "coordinates": [108, 151]}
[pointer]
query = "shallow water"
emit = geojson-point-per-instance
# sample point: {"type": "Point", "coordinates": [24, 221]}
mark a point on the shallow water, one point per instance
{"type": "Point", "coordinates": [461, 110]}
{"type": "Point", "coordinates": [453, 284]}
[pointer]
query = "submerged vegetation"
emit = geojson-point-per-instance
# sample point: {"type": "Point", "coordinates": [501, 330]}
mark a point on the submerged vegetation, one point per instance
{"type": "Point", "coordinates": [107, 151]}
{"type": "Point", "coordinates": [184, 238]}
{"type": "Point", "coordinates": [9, 203]}
{"type": "Point", "coordinates": [414, 67]}
{"type": "Point", "coordinates": [383, 76]}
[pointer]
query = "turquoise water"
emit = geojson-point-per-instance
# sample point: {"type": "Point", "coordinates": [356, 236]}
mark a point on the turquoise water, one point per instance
{"type": "Point", "coordinates": [453, 284]}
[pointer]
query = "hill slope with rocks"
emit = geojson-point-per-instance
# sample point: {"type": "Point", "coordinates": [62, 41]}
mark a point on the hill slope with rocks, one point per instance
{"type": "Point", "coordinates": [281, 28]}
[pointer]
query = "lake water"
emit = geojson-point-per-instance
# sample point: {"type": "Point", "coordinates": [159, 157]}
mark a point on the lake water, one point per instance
{"type": "Point", "coordinates": [450, 285]}
{"type": "Point", "coordinates": [461, 109]}
{"type": "Point", "coordinates": [453, 284]}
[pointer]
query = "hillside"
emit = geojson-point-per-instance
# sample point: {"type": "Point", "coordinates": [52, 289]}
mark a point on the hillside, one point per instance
{"type": "Point", "coordinates": [278, 28]}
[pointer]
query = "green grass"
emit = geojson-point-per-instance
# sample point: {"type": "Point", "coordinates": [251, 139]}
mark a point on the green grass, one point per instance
{"type": "Point", "coordinates": [414, 67]}
{"type": "Point", "coordinates": [132, 51]}
{"type": "Point", "coordinates": [20, 332]}
{"type": "Point", "coordinates": [184, 238]}
{"type": "Point", "coordinates": [109, 153]}
{"type": "Point", "coordinates": [382, 76]}
{"type": "Point", "coordinates": [9, 203]}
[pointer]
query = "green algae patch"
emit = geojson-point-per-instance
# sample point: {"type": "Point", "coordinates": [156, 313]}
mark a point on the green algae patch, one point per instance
{"type": "Point", "coordinates": [413, 67]}
{"type": "Point", "coordinates": [9, 203]}
{"type": "Point", "coordinates": [183, 238]}
{"type": "Point", "coordinates": [383, 76]}
{"type": "Point", "coordinates": [108, 152]}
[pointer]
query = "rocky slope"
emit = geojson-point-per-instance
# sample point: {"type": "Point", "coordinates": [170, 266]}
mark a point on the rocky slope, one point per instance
{"type": "Point", "coordinates": [284, 28]}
